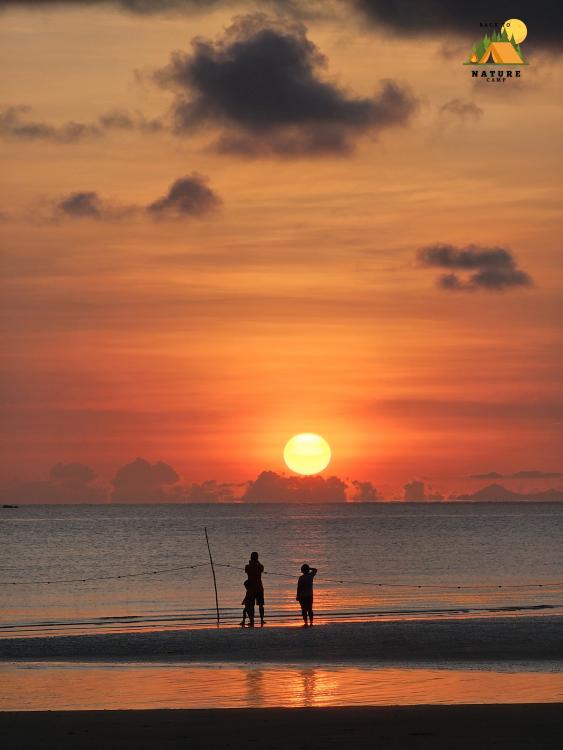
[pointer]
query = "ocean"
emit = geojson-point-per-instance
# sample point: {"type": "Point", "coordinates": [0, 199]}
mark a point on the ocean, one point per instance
{"type": "Point", "coordinates": [91, 569]}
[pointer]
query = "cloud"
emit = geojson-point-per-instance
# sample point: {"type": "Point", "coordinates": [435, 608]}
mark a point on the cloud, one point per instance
{"type": "Point", "coordinates": [135, 6]}
{"type": "Point", "coordinates": [492, 269]}
{"type": "Point", "coordinates": [439, 18]}
{"type": "Point", "coordinates": [270, 487]}
{"type": "Point", "coordinates": [498, 493]}
{"type": "Point", "coordinates": [297, 8]}
{"type": "Point", "coordinates": [532, 474]}
{"type": "Point", "coordinates": [463, 110]}
{"type": "Point", "coordinates": [142, 482]}
{"type": "Point", "coordinates": [74, 474]}
{"type": "Point", "coordinates": [187, 196]}
{"type": "Point", "coordinates": [67, 483]}
{"type": "Point", "coordinates": [119, 119]}
{"type": "Point", "coordinates": [17, 125]}
{"type": "Point", "coordinates": [415, 492]}
{"type": "Point", "coordinates": [365, 492]}
{"type": "Point", "coordinates": [261, 90]}
{"type": "Point", "coordinates": [427, 18]}
{"type": "Point", "coordinates": [87, 205]}
{"type": "Point", "coordinates": [526, 474]}
{"type": "Point", "coordinates": [210, 491]}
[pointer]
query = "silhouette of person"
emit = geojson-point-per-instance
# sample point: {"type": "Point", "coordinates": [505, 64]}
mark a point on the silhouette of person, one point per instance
{"type": "Point", "coordinates": [305, 593]}
{"type": "Point", "coordinates": [248, 603]}
{"type": "Point", "coordinates": [254, 571]}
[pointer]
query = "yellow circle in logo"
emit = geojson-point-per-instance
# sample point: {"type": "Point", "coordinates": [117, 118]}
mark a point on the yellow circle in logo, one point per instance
{"type": "Point", "coordinates": [516, 29]}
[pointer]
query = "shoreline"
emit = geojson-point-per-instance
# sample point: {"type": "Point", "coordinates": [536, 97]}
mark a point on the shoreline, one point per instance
{"type": "Point", "coordinates": [500, 639]}
{"type": "Point", "coordinates": [504, 727]}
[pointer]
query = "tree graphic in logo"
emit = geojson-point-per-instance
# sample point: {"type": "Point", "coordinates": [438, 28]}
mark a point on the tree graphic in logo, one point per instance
{"type": "Point", "coordinates": [502, 48]}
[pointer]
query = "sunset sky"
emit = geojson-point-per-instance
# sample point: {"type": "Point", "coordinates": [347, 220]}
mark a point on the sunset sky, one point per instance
{"type": "Point", "coordinates": [221, 229]}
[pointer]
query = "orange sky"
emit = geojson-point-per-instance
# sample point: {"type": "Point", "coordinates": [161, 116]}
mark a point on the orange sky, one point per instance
{"type": "Point", "coordinates": [299, 304]}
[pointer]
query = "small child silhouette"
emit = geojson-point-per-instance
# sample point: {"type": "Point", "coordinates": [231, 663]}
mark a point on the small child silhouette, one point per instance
{"type": "Point", "coordinates": [248, 603]}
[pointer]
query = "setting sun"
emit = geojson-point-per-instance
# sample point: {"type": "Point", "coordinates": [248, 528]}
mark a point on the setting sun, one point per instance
{"type": "Point", "coordinates": [307, 453]}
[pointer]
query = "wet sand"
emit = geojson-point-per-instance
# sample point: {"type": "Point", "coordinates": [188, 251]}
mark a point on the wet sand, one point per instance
{"type": "Point", "coordinates": [522, 727]}
{"type": "Point", "coordinates": [441, 641]}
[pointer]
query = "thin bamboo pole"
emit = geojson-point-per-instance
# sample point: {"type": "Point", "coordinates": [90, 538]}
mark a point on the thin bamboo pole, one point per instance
{"type": "Point", "coordinates": [214, 577]}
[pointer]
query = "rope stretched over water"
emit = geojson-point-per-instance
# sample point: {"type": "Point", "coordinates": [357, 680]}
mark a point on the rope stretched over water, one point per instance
{"type": "Point", "coordinates": [104, 578]}
{"type": "Point", "coordinates": [382, 584]}
{"type": "Point", "coordinates": [407, 585]}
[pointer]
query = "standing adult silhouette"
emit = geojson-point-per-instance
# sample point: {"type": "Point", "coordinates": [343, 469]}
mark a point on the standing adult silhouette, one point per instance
{"type": "Point", "coordinates": [305, 593]}
{"type": "Point", "coordinates": [254, 571]}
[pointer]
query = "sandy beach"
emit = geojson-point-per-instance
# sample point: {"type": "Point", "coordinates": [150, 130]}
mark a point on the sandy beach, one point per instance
{"type": "Point", "coordinates": [523, 727]}
{"type": "Point", "coordinates": [424, 641]}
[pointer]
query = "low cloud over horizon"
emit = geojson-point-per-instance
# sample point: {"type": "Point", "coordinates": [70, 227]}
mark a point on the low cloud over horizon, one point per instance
{"type": "Point", "coordinates": [144, 482]}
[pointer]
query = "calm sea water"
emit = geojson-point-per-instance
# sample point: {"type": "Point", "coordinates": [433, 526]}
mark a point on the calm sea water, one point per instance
{"type": "Point", "coordinates": [394, 560]}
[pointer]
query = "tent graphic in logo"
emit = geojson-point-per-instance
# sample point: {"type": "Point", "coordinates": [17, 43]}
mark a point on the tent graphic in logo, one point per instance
{"type": "Point", "coordinates": [502, 48]}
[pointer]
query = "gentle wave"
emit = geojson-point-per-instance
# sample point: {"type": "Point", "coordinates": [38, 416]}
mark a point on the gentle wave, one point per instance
{"type": "Point", "coordinates": [231, 616]}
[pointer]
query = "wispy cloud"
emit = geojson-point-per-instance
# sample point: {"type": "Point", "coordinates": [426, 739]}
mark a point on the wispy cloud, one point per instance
{"type": "Point", "coordinates": [462, 110]}
{"type": "Point", "coordinates": [186, 197]}
{"type": "Point", "coordinates": [18, 124]}
{"type": "Point", "coordinates": [526, 474]}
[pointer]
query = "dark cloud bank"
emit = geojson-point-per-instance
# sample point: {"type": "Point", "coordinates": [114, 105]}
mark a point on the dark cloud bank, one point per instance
{"type": "Point", "coordinates": [186, 197]}
{"type": "Point", "coordinates": [440, 18]}
{"type": "Point", "coordinates": [143, 482]}
{"type": "Point", "coordinates": [492, 269]}
{"type": "Point", "coordinates": [261, 89]}
{"type": "Point", "coordinates": [416, 18]}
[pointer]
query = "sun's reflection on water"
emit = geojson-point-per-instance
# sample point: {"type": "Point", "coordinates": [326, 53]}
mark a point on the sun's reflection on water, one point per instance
{"type": "Point", "coordinates": [59, 686]}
